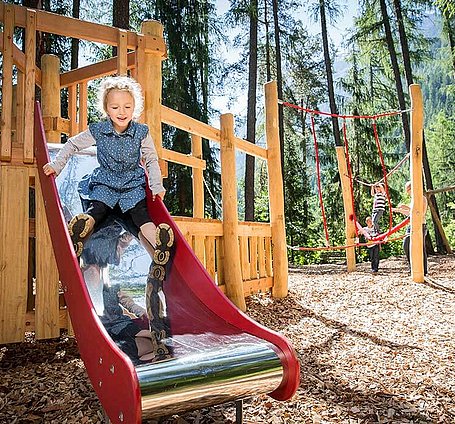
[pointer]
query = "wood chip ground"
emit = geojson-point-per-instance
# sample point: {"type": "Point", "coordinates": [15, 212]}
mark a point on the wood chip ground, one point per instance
{"type": "Point", "coordinates": [372, 348]}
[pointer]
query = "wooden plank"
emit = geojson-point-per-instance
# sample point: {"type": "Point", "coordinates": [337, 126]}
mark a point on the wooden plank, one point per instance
{"type": "Point", "coordinates": [244, 257]}
{"type": "Point", "coordinates": [30, 319]}
{"type": "Point", "coordinates": [268, 256]}
{"type": "Point", "coordinates": [7, 83]}
{"type": "Point", "coordinates": [199, 249]}
{"type": "Point", "coordinates": [198, 178]}
{"type": "Point", "coordinates": [182, 159]}
{"type": "Point", "coordinates": [53, 23]}
{"type": "Point", "coordinates": [253, 256]}
{"type": "Point", "coordinates": [255, 229]}
{"type": "Point", "coordinates": [210, 255]}
{"type": "Point", "coordinates": [18, 110]}
{"type": "Point", "coordinates": [83, 95]}
{"type": "Point", "coordinates": [30, 58]}
{"type": "Point", "coordinates": [260, 285]}
{"type": "Point", "coordinates": [261, 257]}
{"type": "Point", "coordinates": [203, 228]}
{"type": "Point", "coordinates": [14, 210]}
{"type": "Point", "coordinates": [56, 123]}
{"type": "Point", "coordinates": [94, 71]}
{"type": "Point", "coordinates": [72, 110]}
{"type": "Point", "coordinates": [220, 260]}
{"type": "Point", "coordinates": [47, 305]}
{"type": "Point", "coordinates": [190, 125]}
{"type": "Point", "coordinates": [250, 148]}
{"type": "Point", "coordinates": [122, 52]}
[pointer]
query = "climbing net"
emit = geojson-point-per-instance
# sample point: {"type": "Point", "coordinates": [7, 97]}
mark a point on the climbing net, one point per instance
{"type": "Point", "coordinates": [381, 238]}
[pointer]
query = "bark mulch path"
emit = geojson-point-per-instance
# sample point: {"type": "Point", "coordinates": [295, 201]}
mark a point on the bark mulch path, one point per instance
{"type": "Point", "coordinates": [372, 348]}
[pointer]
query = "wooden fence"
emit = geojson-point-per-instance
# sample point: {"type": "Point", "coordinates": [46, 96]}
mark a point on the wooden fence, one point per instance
{"type": "Point", "coordinates": [243, 258]}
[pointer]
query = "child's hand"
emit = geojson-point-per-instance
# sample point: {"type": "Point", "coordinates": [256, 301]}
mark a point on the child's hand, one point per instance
{"type": "Point", "coordinates": [160, 195]}
{"type": "Point", "coordinates": [48, 170]}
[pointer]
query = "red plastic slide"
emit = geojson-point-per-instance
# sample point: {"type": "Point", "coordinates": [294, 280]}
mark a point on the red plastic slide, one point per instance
{"type": "Point", "coordinates": [195, 306]}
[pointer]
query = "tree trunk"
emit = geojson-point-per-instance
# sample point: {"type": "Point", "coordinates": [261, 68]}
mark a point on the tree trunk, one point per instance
{"type": "Point", "coordinates": [396, 73]}
{"type": "Point", "coordinates": [328, 70]}
{"type": "Point", "coordinates": [75, 41]}
{"type": "Point", "coordinates": [251, 114]}
{"type": "Point", "coordinates": [267, 43]}
{"type": "Point", "coordinates": [120, 17]}
{"type": "Point", "coordinates": [410, 80]}
{"type": "Point", "coordinates": [279, 79]}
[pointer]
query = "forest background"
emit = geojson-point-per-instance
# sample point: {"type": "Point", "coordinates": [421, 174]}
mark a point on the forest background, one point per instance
{"type": "Point", "coordinates": [391, 44]}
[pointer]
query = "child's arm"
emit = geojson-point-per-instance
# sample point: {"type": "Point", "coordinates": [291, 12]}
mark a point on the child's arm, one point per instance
{"type": "Point", "coordinates": [130, 305]}
{"type": "Point", "coordinates": [74, 144]}
{"type": "Point", "coordinates": [151, 163]}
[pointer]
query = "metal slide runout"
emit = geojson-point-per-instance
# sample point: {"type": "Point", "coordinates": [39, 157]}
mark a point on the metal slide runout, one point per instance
{"type": "Point", "coordinates": [213, 353]}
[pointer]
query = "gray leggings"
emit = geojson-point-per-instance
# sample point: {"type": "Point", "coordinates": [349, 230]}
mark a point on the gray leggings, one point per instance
{"type": "Point", "coordinates": [407, 242]}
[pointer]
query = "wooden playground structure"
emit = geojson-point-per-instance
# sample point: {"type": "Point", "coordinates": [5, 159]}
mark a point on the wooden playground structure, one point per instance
{"type": "Point", "coordinates": [243, 258]}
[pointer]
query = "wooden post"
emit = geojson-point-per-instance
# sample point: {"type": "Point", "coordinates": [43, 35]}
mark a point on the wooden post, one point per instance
{"type": "Point", "coordinates": [198, 183]}
{"type": "Point", "coordinates": [149, 76]}
{"type": "Point", "coordinates": [72, 109]}
{"type": "Point", "coordinates": [348, 210]}
{"type": "Point", "coordinates": [232, 271]}
{"type": "Point", "coordinates": [417, 204]}
{"type": "Point", "coordinates": [50, 92]}
{"type": "Point", "coordinates": [83, 99]}
{"type": "Point", "coordinates": [122, 52]}
{"type": "Point", "coordinates": [7, 84]}
{"type": "Point", "coordinates": [29, 106]}
{"type": "Point", "coordinates": [276, 192]}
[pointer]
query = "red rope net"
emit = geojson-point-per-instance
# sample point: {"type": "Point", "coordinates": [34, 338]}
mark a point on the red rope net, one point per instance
{"type": "Point", "coordinates": [382, 238]}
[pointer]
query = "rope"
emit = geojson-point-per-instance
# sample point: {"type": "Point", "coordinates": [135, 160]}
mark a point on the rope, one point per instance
{"type": "Point", "coordinates": [384, 171]}
{"type": "Point", "coordinates": [318, 170]}
{"type": "Point", "coordinates": [346, 246]}
{"type": "Point", "coordinates": [392, 171]}
{"type": "Point", "coordinates": [334, 115]}
{"type": "Point", "coordinates": [351, 187]}
{"type": "Point", "coordinates": [380, 239]}
{"type": "Point", "coordinates": [215, 201]}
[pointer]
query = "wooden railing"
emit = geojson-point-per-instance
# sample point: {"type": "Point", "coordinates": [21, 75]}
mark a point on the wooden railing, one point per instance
{"type": "Point", "coordinates": [238, 255]}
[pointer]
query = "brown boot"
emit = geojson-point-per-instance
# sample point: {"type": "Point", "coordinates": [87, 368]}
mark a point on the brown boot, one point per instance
{"type": "Point", "coordinates": [80, 227]}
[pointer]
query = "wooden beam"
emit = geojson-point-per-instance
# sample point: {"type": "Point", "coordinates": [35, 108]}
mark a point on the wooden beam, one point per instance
{"type": "Point", "coordinates": [122, 52]}
{"type": "Point", "coordinates": [182, 159]}
{"type": "Point", "coordinates": [190, 125]}
{"type": "Point", "coordinates": [439, 190]}
{"type": "Point", "coordinates": [53, 23]}
{"type": "Point", "coordinates": [30, 58]}
{"type": "Point", "coordinates": [198, 178]}
{"type": "Point", "coordinates": [94, 71]}
{"type": "Point", "coordinates": [7, 83]}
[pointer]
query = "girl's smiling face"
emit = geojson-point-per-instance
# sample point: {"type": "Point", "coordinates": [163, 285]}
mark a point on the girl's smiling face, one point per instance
{"type": "Point", "coordinates": [120, 108]}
